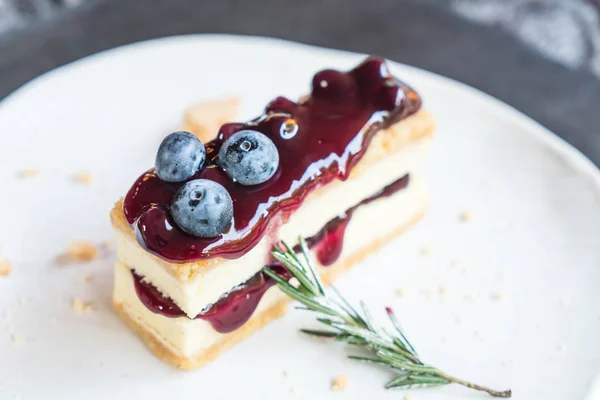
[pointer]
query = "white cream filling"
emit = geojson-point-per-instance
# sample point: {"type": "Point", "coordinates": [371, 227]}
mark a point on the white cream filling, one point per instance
{"type": "Point", "coordinates": [188, 338]}
{"type": "Point", "coordinates": [206, 287]}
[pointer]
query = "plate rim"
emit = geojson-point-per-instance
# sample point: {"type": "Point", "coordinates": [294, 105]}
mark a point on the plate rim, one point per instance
{"type": "Point", "coordinates": [569, 155]}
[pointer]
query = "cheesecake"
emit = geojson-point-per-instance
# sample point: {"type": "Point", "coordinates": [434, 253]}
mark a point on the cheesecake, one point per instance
{"type": "Point", "coordinates": [195, 233]}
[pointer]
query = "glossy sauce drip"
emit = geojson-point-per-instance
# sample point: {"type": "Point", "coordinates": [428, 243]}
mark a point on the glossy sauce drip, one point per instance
{"type": "Point", "coordinates": [233, 310]}
{"type": "Point", "coordinates": [328, 243]}
{"type": "Point", "coordinates": [227, 314]}
{"type": "Point", "coordinates": [319, 139]}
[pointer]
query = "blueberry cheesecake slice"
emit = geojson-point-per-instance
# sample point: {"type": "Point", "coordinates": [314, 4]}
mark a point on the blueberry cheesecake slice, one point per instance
{"type": "Point", "coordinates": [195, 232]}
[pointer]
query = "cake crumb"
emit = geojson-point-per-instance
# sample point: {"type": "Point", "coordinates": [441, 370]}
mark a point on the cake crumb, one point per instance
{"type": "Point", "coordinates": [5, 268]}
{"type": "Point", "coordinates": [86, 278]}
{"type": "Point", "coordinates": [286, 372]}
{"type": "Point", "coordinates": [408, 397]}
{"type": "Point", "coordinates": [497, 296]}
{"type": "Point", "coordinates": [400, 291]}
{"type": "Point", "coordinates": [339, 383]}
{"type": "Point", "coordinates": [466, 216]}
{"type": "Point", "coordinates": [17, 338]}
{"type": "Point", "coordinates": [82, 306]}
{"type": "Point", "coordinates": [84, 177]}
{"type": "Point", "coordinates": [443, 290]}
{"type": "Point", "coordinates": [457, 319]}
{"type": "Point", "coordinates": [453, 263]}
{"type": "Point", "coordinates": [560, 348]}
{"type": "Point", "coordinates": [29, 172]}
{"type": "Point", "coordinates": [82, 251]}
{"type": "Point", "coordinates": [426, 250]}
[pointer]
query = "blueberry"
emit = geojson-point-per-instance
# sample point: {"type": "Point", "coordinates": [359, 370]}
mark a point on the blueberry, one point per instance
{"type": "Point", "coordinates": [249, 157]}
{"type": "Point", "coordinates": [179, 156]}
{"type": "Point", "coordinates": [202, 208]}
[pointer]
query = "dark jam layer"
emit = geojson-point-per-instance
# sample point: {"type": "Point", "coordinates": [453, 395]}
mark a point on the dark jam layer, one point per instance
{"type": "Point", "coordinates": [319, 139]}
{"type": "Point", "coordinates": [232, 311]}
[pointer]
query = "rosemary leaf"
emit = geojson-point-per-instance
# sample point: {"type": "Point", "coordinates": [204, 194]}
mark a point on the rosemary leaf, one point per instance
{"type": "Point", "coordinates": [315, 332]}
{"type": "Point", "coordinates": [369, 360]}
{"type": "Point", "coordinates": [397, 381]}
{"type": "Point", "coordinates": [315, 276]}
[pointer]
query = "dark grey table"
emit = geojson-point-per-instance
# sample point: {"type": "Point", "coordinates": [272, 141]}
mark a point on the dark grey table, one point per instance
{"type": "Point", "coordinates": [413, 32]}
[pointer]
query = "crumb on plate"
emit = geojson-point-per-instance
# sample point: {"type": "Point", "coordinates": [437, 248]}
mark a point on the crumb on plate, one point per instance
{"type": "Point", "coordinates": [400, 291]}
{"type": "Point", "coordinates": [82, 306]}
{"type": "Point", "coordinates": [29, 172]}
{"type": "Point", "coordinates": [466, 216]}
{"type": "Point", "coordinates": [82, 251]}
{"type": "Point", "coordinates": [5, 268]}
{"type": "Point", "coordinates": [496, 296]}
{"type": "Point", "coordinates": [84, 177]}
{"type": "Point", "coordinates": [17, 338]}
{"type": "Point", "coordinates": [87, 278]}
{"type": "Point", "coordinates": [426, 250]}
{"type": "Point", "coordinates": [339, 383]}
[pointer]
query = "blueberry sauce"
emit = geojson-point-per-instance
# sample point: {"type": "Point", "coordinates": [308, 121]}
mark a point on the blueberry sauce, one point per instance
{"type": "Point", "coordinates": [328, 243]}
{"type": "Point", "coordinates": [227, 314]}
{"type": "Point", "coordinates": [233, 310]}
{"type": "Point", "coordinates": [319, 139]}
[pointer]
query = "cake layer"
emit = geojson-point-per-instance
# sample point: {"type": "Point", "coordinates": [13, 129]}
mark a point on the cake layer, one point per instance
{"type": "Point", "coordinates": [205, 287]}
{"type": "Point", "coordinates": [189, 343]}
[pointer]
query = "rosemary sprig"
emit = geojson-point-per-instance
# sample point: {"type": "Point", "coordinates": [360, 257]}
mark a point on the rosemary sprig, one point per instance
{"type": "Point", "coordinates": [347, 324]}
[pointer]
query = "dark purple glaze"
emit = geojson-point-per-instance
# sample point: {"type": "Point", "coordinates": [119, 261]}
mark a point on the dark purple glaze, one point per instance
{"type": "Point", "coordinates": [232, 311]}
{"type": "Point", "coordinates": [334, 127]}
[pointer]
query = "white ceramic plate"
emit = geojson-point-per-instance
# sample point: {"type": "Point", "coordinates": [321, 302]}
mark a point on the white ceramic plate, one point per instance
{"type": "Point", "coordinates": [509, 299]}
